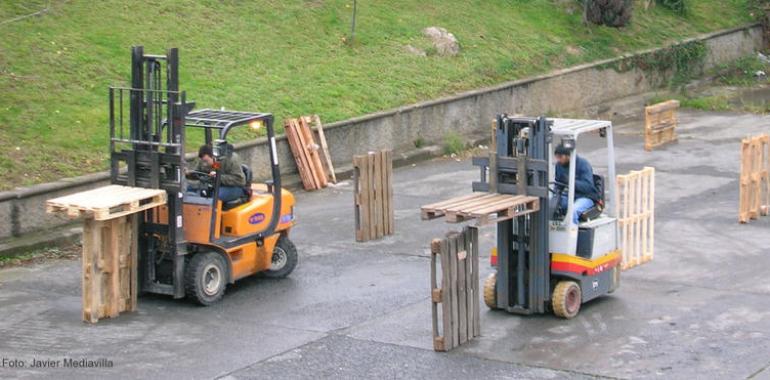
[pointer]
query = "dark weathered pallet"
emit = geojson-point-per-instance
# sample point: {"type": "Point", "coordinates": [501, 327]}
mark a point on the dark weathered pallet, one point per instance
{"type": "Point", "coordinates": [373, 195]}
{"type": "Point", "coordinates": [456, 298]}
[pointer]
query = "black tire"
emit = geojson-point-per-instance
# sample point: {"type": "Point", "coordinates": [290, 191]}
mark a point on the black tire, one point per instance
{"type": "Point", "coordinates": [205, 278]}
{"type": "Point", "coordinates": [284, 260]}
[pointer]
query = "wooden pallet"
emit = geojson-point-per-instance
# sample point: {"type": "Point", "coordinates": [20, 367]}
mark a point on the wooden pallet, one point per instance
{"type": "Point", "coordinates": [373, 195]}
{"type": "Point", "coordinates": [486, 208]}
{"type": "Point", "coordinates": [306, 153]}
{"type": "Point", "coordinates": [755, 181]}
{"type": "Point", "coordinates": [107, 202]}
{"type": "Point", "coordinates": [457, 297]}
{"type": "Point", "coordinates": [635, 197]}
{"type": "Point", "coordinates": [660, 122]}
{"type": "Point", "coordinates": [315, 120]}
{"type": "Point", "coordinates": [109, 267]}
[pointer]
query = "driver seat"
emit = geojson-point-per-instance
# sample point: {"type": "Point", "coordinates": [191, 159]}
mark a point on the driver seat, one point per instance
{"type": "Point", "coordinates": [595, 211]}
{"type": "Point", "coordinates": [247, 192]}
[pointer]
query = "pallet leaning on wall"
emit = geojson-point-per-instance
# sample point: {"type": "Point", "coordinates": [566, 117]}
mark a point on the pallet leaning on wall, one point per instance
{"type": "Point", "coordinates": [373, 195]}
{"type": "Point", "coordinates": [109, 244]}
{"type": "Point", "coordinates": [306, 154]}
{"type": "Point", "coordinates": [755, 181]}
{"type": "Point", "coordinates": [635, 199]}
{"type": "Point", "coordinates": [457, 297]}
{"type": "Point", "coordinates": [660, 122]}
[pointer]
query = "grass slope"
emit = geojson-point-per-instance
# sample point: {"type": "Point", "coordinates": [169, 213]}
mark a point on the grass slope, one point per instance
{"type": "Point", "coordinates": [283, 56]}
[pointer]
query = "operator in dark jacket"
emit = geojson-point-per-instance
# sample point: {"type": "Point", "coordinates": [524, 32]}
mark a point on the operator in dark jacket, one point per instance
{"type": "Point", "coordinates": [585, 191]}
{"type": "Point", "coordinates": [232, 179]}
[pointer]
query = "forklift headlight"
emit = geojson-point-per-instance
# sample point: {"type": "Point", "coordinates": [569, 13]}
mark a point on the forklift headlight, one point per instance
{"type": "Point", "coordinates": [256, 124]}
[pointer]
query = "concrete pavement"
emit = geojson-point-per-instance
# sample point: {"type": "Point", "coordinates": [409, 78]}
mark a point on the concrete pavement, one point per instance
{"type": "Point", "coordinates": [361, 310]}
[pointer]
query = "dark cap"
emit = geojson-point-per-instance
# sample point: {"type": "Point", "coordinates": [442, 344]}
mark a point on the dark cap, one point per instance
{"type": "Point", "coordinates": [562, 150]}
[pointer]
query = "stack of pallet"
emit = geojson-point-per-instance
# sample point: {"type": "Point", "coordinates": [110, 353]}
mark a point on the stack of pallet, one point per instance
{"type": "Point", "coordinates": [755, 181]}
{"type": "Point", "coordinates": [660, 122]}
{"type": "Point", "coordinates": [373, 195]}
{"type": "Point", "coordinates": [109, 244]}
{"type": "Point", "coordinates": [313, 160]}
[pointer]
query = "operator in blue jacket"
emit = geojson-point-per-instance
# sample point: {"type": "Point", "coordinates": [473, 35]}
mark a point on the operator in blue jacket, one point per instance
{"type": "Point", "coordinates": [585, 191]}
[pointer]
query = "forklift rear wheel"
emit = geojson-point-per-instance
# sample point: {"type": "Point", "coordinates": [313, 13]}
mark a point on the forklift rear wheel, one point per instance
{"type": "Point", "coordinates": [566, 299]}
{"type": "Point", "coordinates": [205, 278]}
{"type": "Point", "coordinates": [490, 291]}
{"type": "Point", "coordinates": [284, 259]}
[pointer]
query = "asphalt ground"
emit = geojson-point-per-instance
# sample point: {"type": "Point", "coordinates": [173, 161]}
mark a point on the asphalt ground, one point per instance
{"type": "Point", "coordinates": [700, 309]}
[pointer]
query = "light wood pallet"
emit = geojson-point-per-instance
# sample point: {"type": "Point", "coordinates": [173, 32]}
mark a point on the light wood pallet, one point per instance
{"type": "Point", "coordinates": [755, 182]}
{"type": "Point", "coordinates": [107, 202]}
{"type": "Point", "coordinates": [109, 267]}
{"type": "Point", "coordinates": [373, 195]}
{"type": "Point", "coordinates": [635, 198]}
{"type": "Point", "coordinates": [306, 153]}
{"type": "Point", "coordinates": [109, 244]}
{"type": "Point", "coordinates": [660, 121]}
{"type": "Point", "coordinates": [486, 208]}
{"type": "Point", "coordinates": [457, 297]}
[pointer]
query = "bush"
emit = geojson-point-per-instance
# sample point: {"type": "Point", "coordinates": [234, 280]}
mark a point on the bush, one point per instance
{"type": "Point", "coordinates": [615, 13]}
{"type": "Point", "coordinates": [678, 6]}
{"type": "Point", "coordinates": [453, 143]}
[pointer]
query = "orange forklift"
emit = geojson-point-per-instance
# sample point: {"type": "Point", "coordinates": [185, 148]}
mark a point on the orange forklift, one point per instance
{"type": "Point", "coordinates": [196, 244]}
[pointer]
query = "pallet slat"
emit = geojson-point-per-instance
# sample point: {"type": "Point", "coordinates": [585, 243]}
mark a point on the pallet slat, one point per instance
{"type": "Point", "coordinates": [373, 195]}
{"type": "Point", "coordinates": [456, 256]}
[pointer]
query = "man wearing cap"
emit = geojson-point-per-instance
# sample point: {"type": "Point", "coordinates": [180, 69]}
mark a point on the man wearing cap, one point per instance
{"type": "Point", "coordinates": [585, 191]}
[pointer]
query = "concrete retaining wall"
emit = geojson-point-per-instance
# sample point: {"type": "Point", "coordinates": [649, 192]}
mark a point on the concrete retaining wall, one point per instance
{"type": "Point", "coordinates": [580, 90]}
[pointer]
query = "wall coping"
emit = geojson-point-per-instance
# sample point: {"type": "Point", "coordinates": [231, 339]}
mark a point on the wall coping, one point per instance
{"type": "Point", "coordinates": [66, 183]}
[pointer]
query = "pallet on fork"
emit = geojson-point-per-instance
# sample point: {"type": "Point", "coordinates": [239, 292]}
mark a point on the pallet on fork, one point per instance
{"type": "Point", "coordinates": [373, 195]}
{"type": "Point", "coordinates": [755, 181]}
{"type": "Point", "coordinates": [457, 297]}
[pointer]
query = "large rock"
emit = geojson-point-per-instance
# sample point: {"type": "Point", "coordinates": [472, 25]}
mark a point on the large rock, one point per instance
{"type": "Point", "coordinates": [444, 42]}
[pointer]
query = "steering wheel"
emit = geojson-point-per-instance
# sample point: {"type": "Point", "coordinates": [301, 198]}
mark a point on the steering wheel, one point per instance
{"type": "Point", "coordinates": [563, 186]}
{"type": "Point", "coordinates": [198, 175]}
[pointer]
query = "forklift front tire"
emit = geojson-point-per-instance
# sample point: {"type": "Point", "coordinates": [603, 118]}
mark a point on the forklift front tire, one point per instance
{"type": "Point", "coordinates": [284, 259]}
{"type": "Point", "coordinates": [205, 278]}
{"type": "Point", "coordinates": [566, 299]}
{"type": "Point", "coordinates": [490, 291]}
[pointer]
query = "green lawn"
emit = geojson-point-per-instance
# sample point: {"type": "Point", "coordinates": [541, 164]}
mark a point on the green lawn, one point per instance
{"type": "Point", "coordinates": [288, 57]}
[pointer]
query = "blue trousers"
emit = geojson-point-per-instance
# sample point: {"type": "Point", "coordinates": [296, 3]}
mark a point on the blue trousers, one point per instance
{"type": "Point", "coordinates": [231, 193]}
{"type": "Point", "coordinates": [226, 193]}
{"type": "Point", "coordinates": [581, 205]}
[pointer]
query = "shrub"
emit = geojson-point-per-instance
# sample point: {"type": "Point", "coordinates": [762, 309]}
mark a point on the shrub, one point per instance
{"type": "Point", "coordinates": [678, 6]}
{"type": "Point", "coordinates": [453, 143]}
{"type": "Point", "coordinates": [615, 13]}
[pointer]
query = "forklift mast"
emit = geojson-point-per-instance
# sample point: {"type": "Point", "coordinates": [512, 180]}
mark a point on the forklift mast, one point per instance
{"type": "Point", "coordinates": [150, 154]}
{"type": "Point", "coordinates": [519, 166]}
